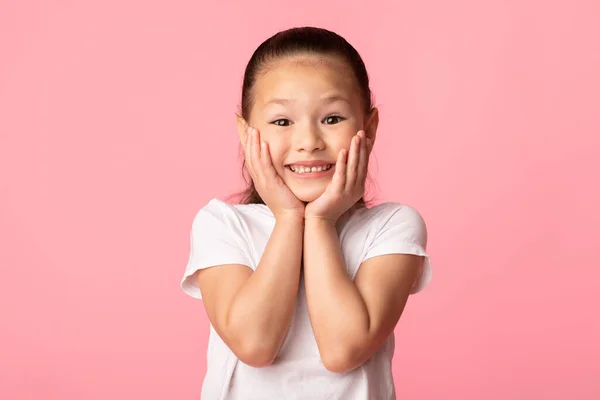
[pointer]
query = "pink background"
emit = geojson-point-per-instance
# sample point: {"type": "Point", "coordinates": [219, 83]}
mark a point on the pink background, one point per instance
{"type": "Point", "coordinates": [117, 125]}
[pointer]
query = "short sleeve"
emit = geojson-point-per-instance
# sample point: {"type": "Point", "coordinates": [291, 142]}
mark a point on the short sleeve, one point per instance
{"type": "Point", "coordinates": [403, 232]}
{"type": "Point", "coordinates": [214, 240]}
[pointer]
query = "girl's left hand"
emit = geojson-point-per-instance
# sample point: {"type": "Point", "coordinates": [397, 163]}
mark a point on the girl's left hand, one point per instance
{"type": "Point", "coordinates": [348, 183]}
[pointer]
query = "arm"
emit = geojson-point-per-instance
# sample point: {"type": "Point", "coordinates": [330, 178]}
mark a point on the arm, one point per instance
{"type": "Point", "coordinates": [251, 311]}
{"type": "Point", "coordinates": [351, 320]}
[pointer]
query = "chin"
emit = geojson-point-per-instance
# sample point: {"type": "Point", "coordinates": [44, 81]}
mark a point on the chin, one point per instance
{"type": "Point", "coordinates": [308, 195]}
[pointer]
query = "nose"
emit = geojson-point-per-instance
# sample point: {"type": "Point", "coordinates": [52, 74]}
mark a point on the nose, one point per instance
{"type": "Point", "coordinates": [308, 138]}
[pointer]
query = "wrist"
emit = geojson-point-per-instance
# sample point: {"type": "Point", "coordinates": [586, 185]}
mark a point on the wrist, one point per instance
{"type": "Point", "coordinates": [291, 216]}
{"type": "Point", "coordinates": [317, 221]}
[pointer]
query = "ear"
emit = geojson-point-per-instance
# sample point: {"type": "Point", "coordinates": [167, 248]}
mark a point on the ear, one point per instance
{"type": "Point", "coordinates": [371, 123]}
{"type": "Point", "coordinates": [242, 128]}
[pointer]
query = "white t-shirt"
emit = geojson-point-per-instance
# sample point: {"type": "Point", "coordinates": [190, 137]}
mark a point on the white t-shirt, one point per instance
{"type": "Point", "coordinates": [237, 234]}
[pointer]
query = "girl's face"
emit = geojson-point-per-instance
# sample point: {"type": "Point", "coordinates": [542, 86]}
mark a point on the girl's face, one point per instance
{"type": "Point", "coordinates": [308, 108]}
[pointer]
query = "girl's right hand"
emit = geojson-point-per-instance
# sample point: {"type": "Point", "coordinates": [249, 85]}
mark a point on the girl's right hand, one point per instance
{"type": "Point", "coordinates": [269, 185]}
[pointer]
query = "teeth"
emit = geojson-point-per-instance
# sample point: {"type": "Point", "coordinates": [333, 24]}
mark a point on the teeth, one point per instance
{"type": "Point", "coordinates": [302, 170]}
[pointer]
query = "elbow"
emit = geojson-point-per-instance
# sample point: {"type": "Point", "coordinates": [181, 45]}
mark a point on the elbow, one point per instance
{"type": "Point", "coordinates": [341, 360]}
{"type": "Point", "coordinates": [257, 356]}
{"type": "Point", "coordinates": [256, 349]}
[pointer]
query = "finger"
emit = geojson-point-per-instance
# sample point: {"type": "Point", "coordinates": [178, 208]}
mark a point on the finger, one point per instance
{"type": "Point", "coordinates": [339, 177]}
{"type": "Point", "coordinates": [267, 163]}
{"type": "Point", "coordinates": [255, 155]}
{"type": "Point", "coordinates": [255, 145]}
{"type": "Point", "coordinates": [363, 160]}
{"type": "Point", "coordinates": [248, 152]}
{"type": "Point", "coordinates": [352, 163]}
{"type": "Point", "coordinates": [242, 131]}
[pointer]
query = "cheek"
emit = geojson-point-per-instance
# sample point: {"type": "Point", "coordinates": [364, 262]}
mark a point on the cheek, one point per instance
{"type": "Point", "coordinates": [277, 151]}
{"type": "Point", "coordinates": [342, 141]}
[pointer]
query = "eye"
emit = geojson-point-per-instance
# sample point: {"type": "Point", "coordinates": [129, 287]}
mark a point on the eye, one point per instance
{"type": "Point", "coordinates": [330, 120]}
{"type": "Point", "coordinates": [281, 122]}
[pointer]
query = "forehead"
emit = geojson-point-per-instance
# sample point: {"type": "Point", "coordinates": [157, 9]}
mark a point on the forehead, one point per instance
{"type": "Point", "coordinates": [294, 76]}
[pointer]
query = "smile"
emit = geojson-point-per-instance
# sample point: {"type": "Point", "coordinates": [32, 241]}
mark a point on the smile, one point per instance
{"type": "Point", "coordinates": [305, 170]}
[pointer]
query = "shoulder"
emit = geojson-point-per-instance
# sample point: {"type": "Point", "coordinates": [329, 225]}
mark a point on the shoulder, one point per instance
{"type": "Point", "coordinates": [234, 221]}
{"type": "Point", "coordinates": [399, 229]}
{"type": "Point", "coordinates": [391, 213]}
{"type": "Point", "coordinates": [391, 208]}
{"type": "Point", "coordinates": [388, 222]}
{"type": "Point", "coordinates": [217, 210]}
{"type": "Point", "coordinates": [219, 236]}
{"type": "Point", "coordinates": [212, 215]}
{"type": "Point", "coordinates": [214, 207]}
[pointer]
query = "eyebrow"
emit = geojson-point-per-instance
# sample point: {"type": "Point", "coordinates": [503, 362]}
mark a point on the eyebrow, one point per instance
{"type": "Point", "coordinates": [326, 100]}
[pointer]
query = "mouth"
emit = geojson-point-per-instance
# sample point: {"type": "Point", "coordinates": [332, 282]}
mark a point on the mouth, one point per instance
{"type": "Point", "coordinates": [310, 172]}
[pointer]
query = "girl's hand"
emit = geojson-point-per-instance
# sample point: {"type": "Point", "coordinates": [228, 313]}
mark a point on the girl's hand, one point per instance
{"type": "Point", "coordinates": [348, 183]}
{"type": "Point", "coordinates": [269, 185]}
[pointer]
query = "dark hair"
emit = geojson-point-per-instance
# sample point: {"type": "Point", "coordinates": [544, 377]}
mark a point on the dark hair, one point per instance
{"type": "Point", "coordinates": [290, 42]}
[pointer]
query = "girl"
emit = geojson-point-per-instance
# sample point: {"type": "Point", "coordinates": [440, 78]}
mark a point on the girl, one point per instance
{"type": "Point", "coordinates": [303, 284]}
